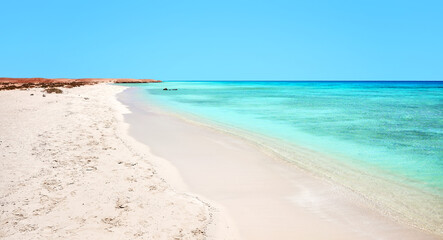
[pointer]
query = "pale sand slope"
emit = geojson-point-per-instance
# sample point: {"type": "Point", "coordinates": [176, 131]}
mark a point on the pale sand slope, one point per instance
{"type": "Point", "coordinates": [265, 198]}
{"type": "Point", "coordinates": [70, 171]}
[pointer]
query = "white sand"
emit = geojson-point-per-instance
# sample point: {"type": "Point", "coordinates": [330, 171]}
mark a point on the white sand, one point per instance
{"type": "Point", "coordinates": [69, 170]}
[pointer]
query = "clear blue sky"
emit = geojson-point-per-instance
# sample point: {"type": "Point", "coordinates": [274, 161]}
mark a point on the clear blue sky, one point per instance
{"type": "Point", "coordinates": [210, 40]}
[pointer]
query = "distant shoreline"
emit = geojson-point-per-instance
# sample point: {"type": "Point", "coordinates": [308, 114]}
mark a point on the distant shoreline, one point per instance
{"type": "Point", "coordinates": [26, 83]}
{"type": "Point", "coordinates": [325, 81]}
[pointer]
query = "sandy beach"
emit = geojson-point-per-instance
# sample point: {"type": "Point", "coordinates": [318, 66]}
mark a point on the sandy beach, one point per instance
{"type": "Point", "coordinates": [94, 163]}
{"type": "Point", "coordinates": [221, 120]}
{"type": "Point", "coordinates": [69, 170]}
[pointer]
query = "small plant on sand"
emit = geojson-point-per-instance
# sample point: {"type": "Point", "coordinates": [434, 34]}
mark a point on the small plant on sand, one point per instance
{"type": "Point", "coordinates": [53, 90]}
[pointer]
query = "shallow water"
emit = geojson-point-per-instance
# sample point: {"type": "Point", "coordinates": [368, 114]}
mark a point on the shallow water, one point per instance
{"type": "Point", "coordinates": [388, 129]}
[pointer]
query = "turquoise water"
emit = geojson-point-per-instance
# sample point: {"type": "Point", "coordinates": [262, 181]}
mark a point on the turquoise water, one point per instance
{"type": "Point", "coordinates": [393, 127]}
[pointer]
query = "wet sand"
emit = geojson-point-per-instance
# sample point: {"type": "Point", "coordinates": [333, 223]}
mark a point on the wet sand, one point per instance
{"type": "Point", "coordinates": [264, 198]}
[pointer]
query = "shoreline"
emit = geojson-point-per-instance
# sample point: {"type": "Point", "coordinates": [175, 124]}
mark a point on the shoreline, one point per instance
{"type": "Point", "coordinates": [372, 215]}
{"type": "Point", "coordinates": [78, 174]}
{"type": "Point", "coordinates": [96, 167]}
{"type": "Point", "coordinates": [388, 196]}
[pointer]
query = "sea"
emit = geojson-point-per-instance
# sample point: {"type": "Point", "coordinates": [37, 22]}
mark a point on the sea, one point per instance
{"type": "Point", "coordinates": [381, 139]}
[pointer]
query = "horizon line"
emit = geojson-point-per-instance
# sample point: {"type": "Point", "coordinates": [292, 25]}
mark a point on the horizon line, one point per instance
{"type": "Point", "coordinates": [315, 80]}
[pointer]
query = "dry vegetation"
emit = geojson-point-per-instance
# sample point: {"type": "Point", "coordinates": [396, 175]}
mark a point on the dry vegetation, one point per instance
{"type": "Point", "coordinates": [53, 90]}
{"type": "Point", "coordinates": [50, 84]}
{"type": "Point", "coordinates": [50, 87]}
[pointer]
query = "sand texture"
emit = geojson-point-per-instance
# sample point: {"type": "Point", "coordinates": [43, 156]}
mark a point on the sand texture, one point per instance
{"type": "Point", "coordinates": [70, 171]}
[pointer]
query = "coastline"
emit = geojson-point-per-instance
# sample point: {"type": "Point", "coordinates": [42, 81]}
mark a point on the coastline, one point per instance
{"type": "Point", "coordinates": [83, 165]}
{"type": "Point", "coordinates": [370, 186]}
{"type": "Point", "coordinates": [70, 170]}
{"type": "Point", "coordinates": [380, 226]}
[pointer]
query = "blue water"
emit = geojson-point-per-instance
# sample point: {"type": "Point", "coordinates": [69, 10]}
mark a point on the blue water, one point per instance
{"type": "Point", "coordinates": [393, 127]}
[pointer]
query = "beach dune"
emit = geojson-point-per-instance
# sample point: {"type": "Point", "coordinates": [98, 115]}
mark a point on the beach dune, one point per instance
{"type": "Point", "coordinates": [79, 80]}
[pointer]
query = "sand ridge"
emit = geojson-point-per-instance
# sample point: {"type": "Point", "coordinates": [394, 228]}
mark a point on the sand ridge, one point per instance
{"type": "Point", "coordinates": [51, 83]}
{"type": "Point", "coordinates": [78, 80]}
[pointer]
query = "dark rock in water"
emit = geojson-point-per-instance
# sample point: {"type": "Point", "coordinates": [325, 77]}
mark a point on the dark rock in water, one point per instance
{"type": "Point", "coordinates": [165, 89]}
